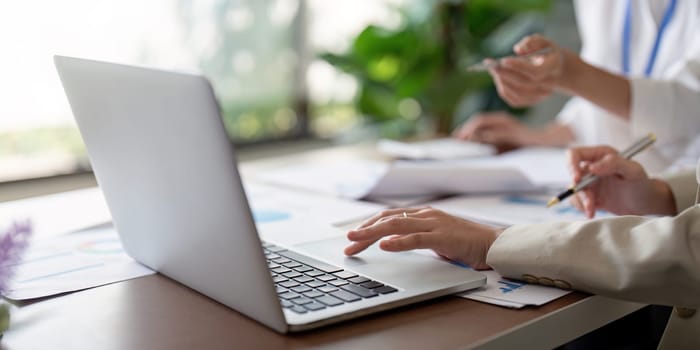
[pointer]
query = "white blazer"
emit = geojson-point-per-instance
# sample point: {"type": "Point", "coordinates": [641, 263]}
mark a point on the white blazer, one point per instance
{"type": "Point", "coordinates": [667, 102]}
{"type": "Point", "coordinates": [643, 259]}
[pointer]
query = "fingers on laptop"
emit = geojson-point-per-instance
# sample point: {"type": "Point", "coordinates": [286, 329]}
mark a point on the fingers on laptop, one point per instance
{"type": "Point", "coordinates": [385, 214]}
{"type": "Point", "coordinates": [388, 223]}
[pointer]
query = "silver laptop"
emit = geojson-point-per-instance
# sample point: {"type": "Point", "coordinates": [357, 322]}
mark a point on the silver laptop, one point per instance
{"type": "Point", "coordinates": [169, 174]}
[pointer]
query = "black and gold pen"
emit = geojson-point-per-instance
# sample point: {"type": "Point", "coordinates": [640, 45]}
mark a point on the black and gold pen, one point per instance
{"type": "Point", "coordinates": [628, 153]}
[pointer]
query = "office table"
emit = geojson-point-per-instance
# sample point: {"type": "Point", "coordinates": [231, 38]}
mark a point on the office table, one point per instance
{"type": "Point", "coordinates": [155, 312]}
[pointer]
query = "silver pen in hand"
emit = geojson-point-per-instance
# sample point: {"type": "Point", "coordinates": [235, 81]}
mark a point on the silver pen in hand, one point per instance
{"type": "Point", "coordinates": [628, 153]}
{"type": "Point", "coordinates": [484, 66]}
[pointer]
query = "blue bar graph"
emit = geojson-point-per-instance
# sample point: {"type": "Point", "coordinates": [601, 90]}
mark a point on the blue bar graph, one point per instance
{"type": "Point", "coordinates": [509, 286]}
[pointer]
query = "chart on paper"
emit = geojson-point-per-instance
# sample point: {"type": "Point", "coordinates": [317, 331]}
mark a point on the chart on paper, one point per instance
{"type": "Point", "coordinates": [511, 293]}
{"type": "Point", "coordinates": [286, 216]}
{"type": "Point", "coordinates": [71, 262]}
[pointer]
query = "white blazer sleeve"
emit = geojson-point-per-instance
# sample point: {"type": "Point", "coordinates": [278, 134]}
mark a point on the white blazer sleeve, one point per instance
{"type": "Point", "coordinates": [650, 260]}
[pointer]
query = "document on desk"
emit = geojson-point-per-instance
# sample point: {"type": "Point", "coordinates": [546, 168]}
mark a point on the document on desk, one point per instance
{"type": "Point", "coordinates": [348, 180]}
{"type": "Point", "coordinates": [506, 292]}
{"type": "Point", "coordinates": [407, 178]}
{"type": "Point", "coordinates": [285, 216]}
{"type": "Point", "coordinates": [437, 149]}
{"type": "Point", "coordinates": [72, 261]}
{"type": "Point", "coordinates": [527, 170]}
{"type": "Point", "coordinates": [545, 167]}
{"type": "Point", "coordinates": [510, 209]}
{"type": "Point", "coordinates": [61, 212]}
{"type": "Point", "coordinates": [511, 293]}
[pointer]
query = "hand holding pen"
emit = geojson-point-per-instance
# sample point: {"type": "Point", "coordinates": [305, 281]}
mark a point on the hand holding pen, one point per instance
{"type": "Point", "coordinates": [628, 153]}
{"type": "Point", "coordinates": [487, 64]}
{"type": "Point", "coordinates": [529, 76]}
{"type": "Point", "coordinates": [606, 179]}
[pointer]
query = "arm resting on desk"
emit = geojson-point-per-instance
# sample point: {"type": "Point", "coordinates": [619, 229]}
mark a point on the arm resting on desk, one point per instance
{"type": "Point", "coordinates": [650, 260]}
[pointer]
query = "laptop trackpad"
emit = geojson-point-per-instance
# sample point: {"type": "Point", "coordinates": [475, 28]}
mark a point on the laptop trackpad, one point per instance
{"type": "Point", "coordinates": [398, 269]}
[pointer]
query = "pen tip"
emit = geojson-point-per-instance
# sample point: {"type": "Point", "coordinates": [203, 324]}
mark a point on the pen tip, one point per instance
{"type": "Point", "coordinates": [552, 202]}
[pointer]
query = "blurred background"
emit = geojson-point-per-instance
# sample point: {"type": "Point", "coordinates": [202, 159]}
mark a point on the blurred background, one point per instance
{"type": "Point", "coordinates": [284, 70]}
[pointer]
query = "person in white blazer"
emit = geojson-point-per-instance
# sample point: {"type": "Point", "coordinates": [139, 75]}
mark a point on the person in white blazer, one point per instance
{"type": "Point", "coordinates": [638, 72]}
{"type": "Point", "coordinates": [654, 260]}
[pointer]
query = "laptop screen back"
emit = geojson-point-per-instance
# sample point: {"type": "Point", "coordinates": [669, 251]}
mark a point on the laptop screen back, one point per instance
{"type": "Point", "coordinates": [167, 169]}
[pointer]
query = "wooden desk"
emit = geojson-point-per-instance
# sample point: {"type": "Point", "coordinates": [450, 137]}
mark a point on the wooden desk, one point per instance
{"type": "Point", "coordinates": [156, 313]}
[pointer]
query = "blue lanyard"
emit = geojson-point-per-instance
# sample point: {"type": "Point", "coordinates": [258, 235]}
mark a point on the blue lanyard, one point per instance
{"type": "Point", "coordinates": [627, 33]}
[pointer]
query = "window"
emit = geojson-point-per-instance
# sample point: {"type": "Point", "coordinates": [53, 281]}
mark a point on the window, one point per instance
{"type": "Point", "coordinates": [261, 56]}
{"type": "Point", "coordinates": [249, 49]}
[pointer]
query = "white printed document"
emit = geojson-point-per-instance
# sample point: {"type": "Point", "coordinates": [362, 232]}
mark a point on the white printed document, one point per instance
{"type": "Point", "coordinates": [543, 166]}
{"type": "Point", "coordinates": [348, 180]}
{"type": "Point", "coordinates": [407, 178]}
{"type": "Point", "coordinates": [71, 262]}
{"type": "Point", "coordinates": [526, 170]}
{"type": "Point", "coordinates": [511, 293]}
{"type": "Point", "coordinates": [512, 209]}
{"type": "Point", "coordinates": [506, 292]}
{"type": "Point", "coordinates": [59, 213]}
{"type": "Point", "coordinates": [285, 216]}
{"type": "Point", "coordinates": [438, 149]}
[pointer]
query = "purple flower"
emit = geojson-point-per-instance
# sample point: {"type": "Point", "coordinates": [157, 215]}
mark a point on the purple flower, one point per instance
{"type": "Point", "coordinates": [12, 244]}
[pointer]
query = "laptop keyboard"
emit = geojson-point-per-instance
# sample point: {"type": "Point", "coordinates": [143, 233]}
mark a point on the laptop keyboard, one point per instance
{"type": "Point", "coordinates": [305, 284]}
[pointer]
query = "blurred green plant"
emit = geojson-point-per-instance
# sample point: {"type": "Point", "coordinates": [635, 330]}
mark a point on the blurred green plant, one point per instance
{"type": "Point", "coordinates": [418, 69]}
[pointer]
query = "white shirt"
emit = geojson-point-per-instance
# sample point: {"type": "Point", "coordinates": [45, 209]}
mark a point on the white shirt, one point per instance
{"type": "Point", "coordinates": [667, 103]}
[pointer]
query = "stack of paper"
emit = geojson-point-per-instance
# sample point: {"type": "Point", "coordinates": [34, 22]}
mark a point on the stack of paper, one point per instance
{"type": "Point", "coordinates": [437, 178]}
{"type": "Point", "coordinates": [526, 170]}
{"type": "Point", "coordinates": [544, 167]}
{"type": "Point", "coordinates": [445, 148]}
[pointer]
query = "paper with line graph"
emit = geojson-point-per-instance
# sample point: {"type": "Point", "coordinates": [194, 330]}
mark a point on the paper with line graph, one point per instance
{"type": "Point", "coordinates": [73, 261]}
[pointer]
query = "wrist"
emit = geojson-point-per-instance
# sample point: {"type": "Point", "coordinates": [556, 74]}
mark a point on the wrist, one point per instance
{"type": "Point", "coordinates": [666, 201]}
{"type": "Point", "coordinates": [608, 91]}
{"type": "Point", "coordinates": [573, 68]}
{"type": "Point", "coordinates": [495, 233]}
{"type": "Point", "coordinates": [485, 243]}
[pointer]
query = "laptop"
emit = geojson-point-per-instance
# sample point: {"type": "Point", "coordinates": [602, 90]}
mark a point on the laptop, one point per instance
{"type": "Point", "coordinates": [168, 172]}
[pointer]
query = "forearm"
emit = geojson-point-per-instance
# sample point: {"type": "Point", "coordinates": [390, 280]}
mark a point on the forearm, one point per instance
{"type": "Point", "coordinates": [608, 91]}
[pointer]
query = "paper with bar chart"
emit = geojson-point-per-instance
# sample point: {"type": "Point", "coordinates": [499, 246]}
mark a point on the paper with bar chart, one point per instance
{"type": "Point", "coordinates": [511, 293]}
{"type": "Point", "coordinates": [72, 262]}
